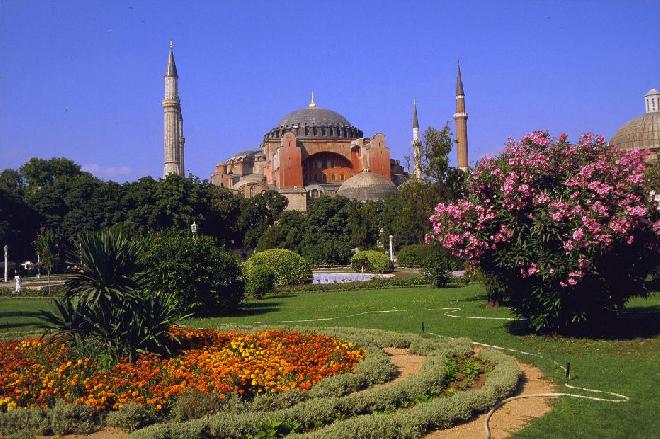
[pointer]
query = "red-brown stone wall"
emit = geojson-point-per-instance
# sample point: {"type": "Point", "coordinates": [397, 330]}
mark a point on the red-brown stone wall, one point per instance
{"type": "Point", "coordinates": [379, 156]}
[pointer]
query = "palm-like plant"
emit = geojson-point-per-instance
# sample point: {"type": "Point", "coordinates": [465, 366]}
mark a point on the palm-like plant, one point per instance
{"type": "Point", "coordinates": [107, 262]}
{"type": "Point", "coordinates": [103, 303]}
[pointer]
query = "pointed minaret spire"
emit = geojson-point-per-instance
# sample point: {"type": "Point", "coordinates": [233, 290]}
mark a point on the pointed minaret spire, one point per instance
{"type": "Point", "coordinates": [415, 121]}
{"type": "Point", "coordinates": [416, 144]}
{"type": "Point", "coordinates": [459, 82]}
{"type": "Point", "coordinates": [171, 65]}
{"type": "Point", "coordinates": [173, 141]}
{"type": "Point", "coordinates": [461, 124]}
{"type": "Point", "coordinates": [312, 104]}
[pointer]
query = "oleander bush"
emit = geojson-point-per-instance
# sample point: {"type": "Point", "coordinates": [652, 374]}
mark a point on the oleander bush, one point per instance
{"type": "Point", "coordinates": [289, 267]}
{"type": "Point", "coordinates": [201, 275]}
{"type": "Point", "coordinates": [372, 261]}
{"type": "Point", "coordinates": [568, 231]}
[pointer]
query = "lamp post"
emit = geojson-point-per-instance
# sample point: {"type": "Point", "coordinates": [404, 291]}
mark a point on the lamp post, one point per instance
{"type": "Point", "coordinates": [193, 229]}
{"type": "Point", "coordinates": [6, 263]}
{"type": "Point", "coordinates": [391, 249]}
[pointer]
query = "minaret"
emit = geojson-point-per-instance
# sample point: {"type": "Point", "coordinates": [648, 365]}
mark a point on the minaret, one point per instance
{"type": "Point", "coordinates": [416, 144]}
{"type": "Point", "coordinates": [461, 124]}
{"type": "Point", "coordinates": [173, 140]}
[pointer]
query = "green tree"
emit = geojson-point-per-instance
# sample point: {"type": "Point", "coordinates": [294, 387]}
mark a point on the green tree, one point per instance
{"type": "Point", "coordinates": [435, 148]}
{"type": "Point", "coordinates": [257, 214]}
{"type": "Point", "coordinates": [46, 244]}
{"type": "Point", "coordinates": [38, 172]}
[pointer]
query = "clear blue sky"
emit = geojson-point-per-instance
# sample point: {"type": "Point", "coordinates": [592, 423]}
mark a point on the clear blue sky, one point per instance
{"type": "Point", "coordinates": [84, 79]}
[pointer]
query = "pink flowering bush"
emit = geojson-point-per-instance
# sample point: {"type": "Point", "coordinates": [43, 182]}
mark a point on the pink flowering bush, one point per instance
{"type": "Point", "coordinates": [567, 229]}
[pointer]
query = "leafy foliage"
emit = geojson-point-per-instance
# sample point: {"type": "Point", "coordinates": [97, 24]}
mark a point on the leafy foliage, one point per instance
{"type": "Point", "coordinates": [102, 304]}
{"type": "Point", "coordinates": [327, 232]}
{"type": "Point", "coordinates": [193, 271]}
{"type": "Point", "coordinates": [568, 230]}
{"type": "Point", "coordinates": [259, 280]}
{"type": "Point", "coordinates": [372, 261]}
{"type": "Point", "coordinates": [436, 268]}
{"type": "Point", "coordinates": [289, 267]}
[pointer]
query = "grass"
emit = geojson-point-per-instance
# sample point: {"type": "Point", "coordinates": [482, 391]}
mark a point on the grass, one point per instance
{"type": "Point", "coordinates": [623, 359]}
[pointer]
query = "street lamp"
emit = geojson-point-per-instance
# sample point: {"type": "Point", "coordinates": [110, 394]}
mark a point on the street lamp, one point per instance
{"type": "Point", "coordinates": [6, 266]}
{"type": "Point", "coordinates": [193, 229]}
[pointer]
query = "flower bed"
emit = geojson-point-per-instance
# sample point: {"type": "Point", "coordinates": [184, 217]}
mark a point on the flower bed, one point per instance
{"type": "Point", "coordinates": [37, 372]}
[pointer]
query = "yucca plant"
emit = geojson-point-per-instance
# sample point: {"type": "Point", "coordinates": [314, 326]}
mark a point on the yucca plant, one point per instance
{"type": "Point", "coordinates": [107, 262]}
{"type": "Point", "coordinates": [103, 304]}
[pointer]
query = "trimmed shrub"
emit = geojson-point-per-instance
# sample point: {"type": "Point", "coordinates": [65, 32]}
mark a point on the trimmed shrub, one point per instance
{"type": "Point", "coordinates": [29, 421]}
{"type": "Point", "coordinates": [193, 269]}
{"type": "Point", "coordinates": [437, 269]}
{"type": "Point", "coordinates": [289, 267]}
{"type": "Point", "coordinates": [418, 256]}
{"type": "Point", "coordinates": [131, 417]}
{"type": "Point", "coordinates": [372, 261]}
{"type": "Point", "coordinates": [73, 418]}
{"type": "Point", "coordinates": [193, 405]}
{"type": "Point", "coordinates": [569, 230]}
{"type": "Point", "coordinates": [413, 255]}
{"type": "Point", "coordinates": [259, 281]}
{"type": "Point", "coordinates": [373, 284]}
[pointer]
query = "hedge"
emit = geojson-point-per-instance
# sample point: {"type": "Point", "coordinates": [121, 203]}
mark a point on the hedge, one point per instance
{"type": "Point", "coordinates": [372, 261]}
{"type": "Point", "coordinates": [421, 255]}
{"type": "Point", "coordinates": [289, 267]}
{"type": "Point", "coordinates": [317, 411]}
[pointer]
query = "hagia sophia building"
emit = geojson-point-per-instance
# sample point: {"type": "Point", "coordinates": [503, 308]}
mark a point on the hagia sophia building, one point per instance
{"type": "Point", "coordinates": [314, 151]}
{"type": "Point", "coordinates": [310, 152]}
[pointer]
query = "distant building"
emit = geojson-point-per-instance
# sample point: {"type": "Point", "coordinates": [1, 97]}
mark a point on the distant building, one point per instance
{"type": "Point", "coordinates": [310, 152]}
{"type": "Point", "coordinates": [313, 151]}
{"type": "Point", "coordinates": [643, 132]}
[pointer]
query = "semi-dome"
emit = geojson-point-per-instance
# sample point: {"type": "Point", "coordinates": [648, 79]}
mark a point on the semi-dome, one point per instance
{"type": "Point", "coordinates": [641, 132]}
{"type": "Point", "coordinates": [314, 122]}
{"type": "Point", "coordinates": [366, 186]}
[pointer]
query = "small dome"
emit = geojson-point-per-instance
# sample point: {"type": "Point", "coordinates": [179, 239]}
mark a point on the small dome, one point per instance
{"type": "Point", "coordinates": [652, 92]}
{"type": "Point", "coordinates": [641, 132]}
{"type": "Point", "coordinates": [250, 180]}
{"type": "Point", "coordinates": [366, 186]}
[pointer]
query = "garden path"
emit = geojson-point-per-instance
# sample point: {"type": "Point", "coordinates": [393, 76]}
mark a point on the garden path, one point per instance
{"type": "Point", "coordinates": [511, 417]}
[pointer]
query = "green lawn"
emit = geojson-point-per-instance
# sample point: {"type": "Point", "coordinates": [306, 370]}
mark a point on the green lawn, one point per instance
{"type": "Point", "coordinates": [625, 359]}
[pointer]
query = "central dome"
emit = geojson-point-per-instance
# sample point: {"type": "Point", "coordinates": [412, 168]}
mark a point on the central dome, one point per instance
{"type": "Point", "coordinates": [315, 123]}
{"type": "Point", "coordinates": [313, 117]}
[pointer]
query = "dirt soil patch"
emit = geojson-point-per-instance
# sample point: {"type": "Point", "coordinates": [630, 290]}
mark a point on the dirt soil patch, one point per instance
{"type": "Point", "coordinates": [511, 417]}
{"type": "Point", "coordinates": [105, 433]}
{"type": "Point", "coordinates": [406, 364]}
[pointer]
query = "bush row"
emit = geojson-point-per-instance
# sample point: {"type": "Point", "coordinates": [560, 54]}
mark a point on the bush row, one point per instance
{"type": "Point", "coordinates": [438, 413]}
{"type": "Point", "coordinates": [420, 255]}
{"type": "Point", "coordinates": [61, 419]}
{"type": "Point", "coordinates": [324, 409]}
{"type": "Point", "coordinates": [55, 291]}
